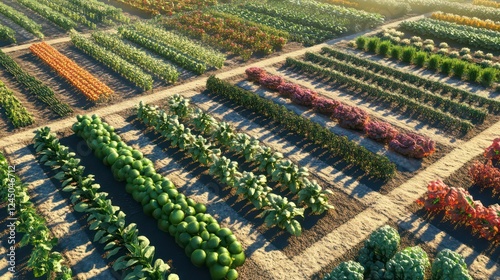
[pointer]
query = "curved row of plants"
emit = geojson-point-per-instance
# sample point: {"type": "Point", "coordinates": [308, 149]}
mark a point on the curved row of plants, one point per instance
{"type": "Point", "coordinates": [21, 20]}
{"type": "Point", "coordinates": [463, 34]}
{"type": "Point", "coordinates": [90, 86]}
{"type": "Point", "coordinates": [278, 169]}
{"type": "Point", "coordinates": [136, 256]}
{"type": "Point", "coordinates": [379, 258]}
{"type": "Point", "coordinates": [225, 31]}
{"type": "Point", "coordinates": [493, 106]}
{"type": "Point", "coordinates": [15, 111]}
{"type": "Point", "coordinates": [372, 164]}
{"type": "Point", "coordinates": [420, 111]}
{"type": "Point", "coordinates": [182, 43]}
{"type": "Point", "coordinates": [463, 20]}
{"type": "Point", "coordinates": [350, 117]}
{"type": "Point", "coordinates": [46, 12]}
{"type": "Point", "coordinates": [280, 212]}
{"type": "Point", "coordinates": [439, 63]}
{"type": "Point", "coordinates": [438, 102]}
{"type": "Point", "coordinates": [194, 230]}
{"type": "Point", "coordinates": [7, 34]}
{"type": "Point", "coordinates": [136, 56]}
{"type": "Point", "coordinates": [165, 51]}
{"type": "Point", "coordinates": [127, 70]}
{"type": "Point", "coordinates": [43, 259]}
{"type": "Point", "coordinates": [34, 86]}
{"type": "Point", "coordinates": [308, 35]}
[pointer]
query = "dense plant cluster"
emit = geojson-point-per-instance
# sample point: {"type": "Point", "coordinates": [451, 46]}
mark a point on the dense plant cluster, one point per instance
{"type": "Point", "coordinates": [43, 259]}
{"type": "Point", "coordinates": [15, 111]}
{"type": "Point", "coordinates": [135, 254]}
{"type": "Point", "coordinates": [48, 13]}
{"type": "Point", "coordinates": [182, 217]}
{"type": "Point", "coordinates": [446, 6]}
{"type": "Point", "coordinates": [487, 174]}
{"type": "Point", "coordinates": [7, 34]}
{"type": "Point", "coordinates": [156, 7]}
{"type": "Point", "coordinates": [22, 20]}
{"type": "Point", "coordinates": [81, 79]}
{"type": "Point", "coordinates": [372, 164]}
{"type": "Point", "coordinates": [474, 22]}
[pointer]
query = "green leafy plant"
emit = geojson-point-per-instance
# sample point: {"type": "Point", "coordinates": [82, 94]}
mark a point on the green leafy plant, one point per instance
{"type": "Point", "coordinates": [254, 188]}
{"type": "Point", "coordinates": [349, 270]}
{"type": "Point", "coordinates": [449, 265]}
{"type": "Point", "coordinates": [314, 197]}
{"type": "Point", "coordinates": [379, 248]}
{"type": "Point", "coordinates": [283, 214]}
{"type": "Point", "coordinates": [410, 263]}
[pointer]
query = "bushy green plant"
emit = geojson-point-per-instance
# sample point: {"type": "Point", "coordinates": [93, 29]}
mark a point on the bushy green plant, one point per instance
{"type": "Point", "coordinates": [383, 48]}
{"type": "Point", "coordinates": [473, 72]}
{"type": "Point", "coordinates": [488, 76]}
{"type": "Point", "coordinates": [449, 265]}
{"type": "Point", "coordinates": [459, 68]}
{"type": "Point", "coordinates": [410, 263]}
{"type": "Point", "coordinates": [380, 247]}
{"type": "Point", "coordinates": [346, 271]}
{"type": "Point", "coordinates": [372, 44]}
{"type": "Point", "coordinates": [396, 52]}
{"type": "Point", "coordinates": [420, 58]}
{"type": "Point", "coordinates": [446, 66]}
{"type": "Point", "coordinates": [361, 42]}
{"type": "Point", "coordinates": [434, 61]}
{"type": "Point", "coordinates": [408, 54]}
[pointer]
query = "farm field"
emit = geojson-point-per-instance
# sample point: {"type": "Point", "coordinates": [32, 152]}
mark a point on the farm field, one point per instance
{"type": "Point", "coordinates": [311, 139]}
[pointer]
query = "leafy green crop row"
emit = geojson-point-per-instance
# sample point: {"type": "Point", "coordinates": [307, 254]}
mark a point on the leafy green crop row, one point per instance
{"type": "Point", "coordinates": [372, 164]}
{"type": "Point", "coordinates": [15, 111]}
{"type": "Point", "coordinates": [7, 33]}
{"type": "Point", "coordinates": [113, 61]}
{"type": "Point", "coordinates": [60, 6]}
{"type": "Point", "coordinates": [43, 259]}
{"type": "Point", "coordinates": [444, 89]}
{"type": "Point", "coordinates": [468, 35]}
{"type": "Point", "coordinates": [21, 20]}
{"type": "Point", "coordinates": [156, 67]}
{"type": "Point", "coordinates": [196, 231]}
{"type": "Point", "coordinates": [35, 86]}
{"type": "Point", "coordinates": [182, 43]}
{"type": "Point", "coordinates": [444, 104]}
{"type": "Point", "coordinates": [167, 52]}
{"type": "Point", "coordinates": [421, 111]}
{"type": "Point", "coordinates": [136, 260]}
{"type": "Point", "coordinates": [99, 11]}
{"type": "Point", "coordinates": [49, 14]}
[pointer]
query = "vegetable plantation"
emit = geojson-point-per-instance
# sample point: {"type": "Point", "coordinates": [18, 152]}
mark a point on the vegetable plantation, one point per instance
{"type": "Point", "coordinates": [268, 139]}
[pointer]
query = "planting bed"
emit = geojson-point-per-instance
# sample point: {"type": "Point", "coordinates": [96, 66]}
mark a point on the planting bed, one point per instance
{"type": "Point", "coordinates": [239, 148]}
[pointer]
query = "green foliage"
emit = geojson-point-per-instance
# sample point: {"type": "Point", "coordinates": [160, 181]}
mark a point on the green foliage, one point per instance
{"type": "Point", "coordinates": [49, 14]}
{"type": "Point", "coordinates": [459, 68]}
{"type": "Point", "coordinates": [372, 44]}
{"type": "Point", "coordinates": [346, 271]}
{"type": "Point", "coordinates": [22, 20]}
{"type": "Point", "coordinates": [361, 42]}
{"type": "Point", "coordinates": [381, 246]}
{"type": "Point", "coordinates": [283, 214]}
{"type": "Point", "coordinates": [396, 52]}
{"type": "Point", "coordinates": [488, 76]}
{"type": "Point", "coordinates": [446, 66]}
{"type": "Point", "coordinates": [473, 73]}
{"type": "Point", "coordinates": [408, 54]}
{"type": "Point", "coordinates": [383, 48]}
{"type": "Point", "coordinates": [449, 265]}
{"type": "Point", "coordinates": [420, 58]}
{"type": "Point", "coordinates": [409, 264]}
{"type": "Point", "coordinates": [14, 110]}
{"type": "Point", "coordinates": [6, 33]}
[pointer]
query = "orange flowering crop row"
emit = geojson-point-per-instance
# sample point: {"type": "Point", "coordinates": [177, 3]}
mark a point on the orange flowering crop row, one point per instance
{"type": "Point", "coordinates": [85, 82]}
{"type": "Point", "coordinates": [486, 3]}
{"type": "Point", "coordinates": [474, 22]}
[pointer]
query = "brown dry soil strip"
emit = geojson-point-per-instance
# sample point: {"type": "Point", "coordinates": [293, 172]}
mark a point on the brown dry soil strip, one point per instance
{"type": "Point", "coordinates": [80, 254]}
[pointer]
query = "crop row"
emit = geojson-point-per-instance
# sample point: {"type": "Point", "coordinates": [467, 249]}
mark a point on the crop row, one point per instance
{"type": "Point", "coordinates": [486, 3]}
{"type": "Point", "coordinates": [379, 259]}
{"type": "Point", "coordinates": [408, 144]}
{"type": "Point", "coordinates": [49, 14]}
{"type": "Point", "coordinates": [487, 174]}
{"type": "Point", "coordinates": [60, 6]}
{"type": "Point", "coordinates": [7, 33]}
{"type": "Point", "coordinates": [418, 110]}
{"type": "Point", "coordinates": [278, 169]}
{"type": "Point", "coordinates": [194, 230]}
{"type": "Point", "coordinates": [491, 105]}
{"type": "Point", "coordinates": [320, 15]}
{"type": "Point", "coordinates": [438, 102]}
{"type": "Point", "coordinates": [228, 32]}
{"type": "Point", "coordinates": [113, 61]}
{"type": "Point", "coordinates": [156, 7]}
{"type": "Point", "coordinates": [468, 35]}
{"type": "Point", "coordinates": [135, 254]}
{"type": "Point", "coordinates": [446, 6]}
{"type": "Point", "coordinates": [372, 164]}
{"type": "Point", "coordinates": [136, 56]}
{"type": "Point", "coordinates": [252, 187]}
{"type": "Point", "coordinates": [435, 62]}
{"type": "Point", "coordinates": [35, 86]}
{"type": "Point", "coordinates": [474, 22]}
{"type": "Point", "coordinates": [81, 79]}
{"type": "Point", "coordinates": [388, 8]}
{"type": "Point", "coordinates": [182, 43]}
{"type": "Point", "coordinates": [14, 110]}
{"type": "Point", "coordinates": [309, 35]}
{"type": "Point", "coordinates": [98, 11]}
{"type": "Point", "coordinates": [43, 259]}
{"type": "Point", "coordinates": [22, 20]}
{"type": "Point", "coordinates": [165, 51]}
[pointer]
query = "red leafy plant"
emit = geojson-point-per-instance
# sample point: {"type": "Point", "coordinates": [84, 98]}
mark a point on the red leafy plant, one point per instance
{"type": "Point", "coordinates": [380, 131]}
{"type": "Point", "coordinates": [288, 89]}
{"type": "Point", "coordinates": [351, 117]}
{"type": "Point", "coordinates": [255, 73]}
{"type": "Point", "coordinates": [485, 175]}
{"type": "Point", "coordinates": [325, 105]}
{"type": "Point", "coordinates": [413, 145]}
{"type": "Point", "coordinates": [271, 81]}
{"type": "Point", "coordinates": [493, 151]}
{"type": "Point", "coordinates": [304, 97]}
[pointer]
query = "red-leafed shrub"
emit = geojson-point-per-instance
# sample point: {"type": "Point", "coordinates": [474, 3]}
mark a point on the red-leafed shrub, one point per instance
{"type": "Point", "coordinates": [289, 89]}
{"type": "Point", "coordinates": [413, 145]}
{"type": "Point", "coordinates": [493, 151]}
{"type": "Point", "coordinates": [380, 131]}
{"type": "Point", "coordinates": [255, 73]}
{"type": "Point", "coordinates": [304, 97]}
{"type": "Point", "coordinates": [485, 175]}
{"type": "Point", "coordinates": [271, 81]}
{"type": "Point", "coordinates": [325, 105]}
{"type": "Point", "coordinates": [351, 117]}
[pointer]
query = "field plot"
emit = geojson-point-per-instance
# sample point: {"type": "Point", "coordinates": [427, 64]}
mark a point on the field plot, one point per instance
{"type": "Point", "coordinates": [311, 139]}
